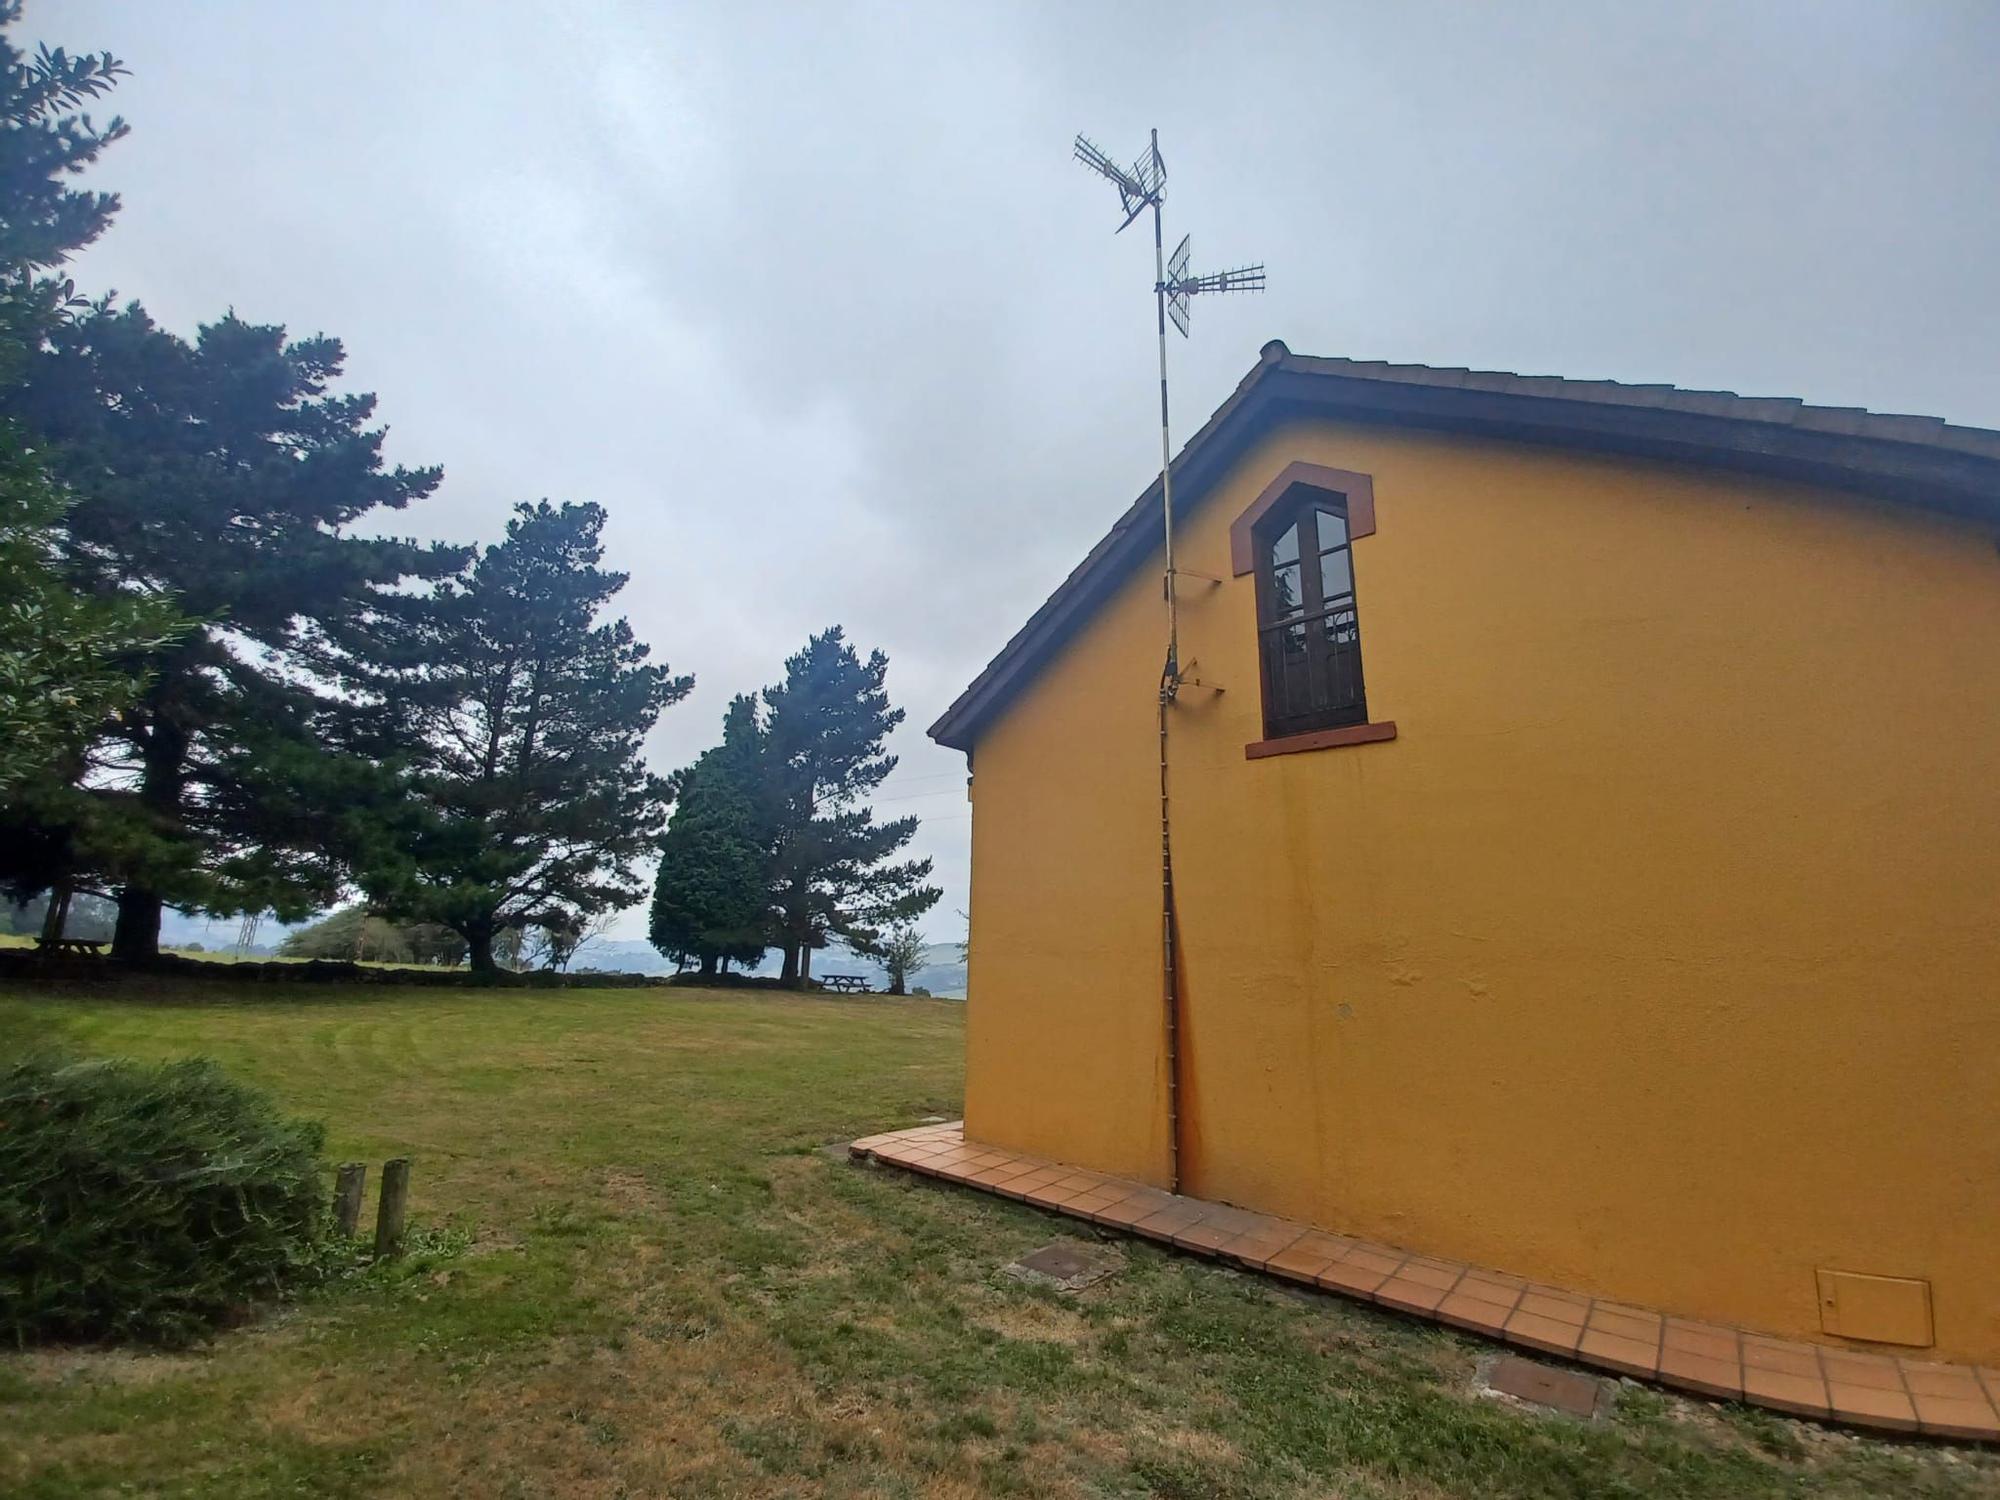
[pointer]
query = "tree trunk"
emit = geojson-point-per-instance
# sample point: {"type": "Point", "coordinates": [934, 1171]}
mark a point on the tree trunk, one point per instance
{"type": "Point", "coordinates": [788, 971]}
{"type": "Point", "coordinates": [163, 756]}
{"type": "Point", "coordinates": [136, 937]}
{"type": "Point", "coordinates": [805, 966]}
{"type": "Point", "coordinates": [479, 951]}
{"type": "Point", "coordinates": [708, 966]}
{"type": "Point", "coordinates": [56, 917]}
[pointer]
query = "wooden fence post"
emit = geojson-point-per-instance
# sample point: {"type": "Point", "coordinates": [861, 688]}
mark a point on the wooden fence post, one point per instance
{"type": "Point", "coordinates": [348, 1186]}
{"type": "Point", "coordinates": [389, 1214]}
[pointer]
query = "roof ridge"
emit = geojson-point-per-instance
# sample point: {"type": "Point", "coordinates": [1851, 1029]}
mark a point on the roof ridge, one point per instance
{"type": "Point", "coordinates": [1566, 387]}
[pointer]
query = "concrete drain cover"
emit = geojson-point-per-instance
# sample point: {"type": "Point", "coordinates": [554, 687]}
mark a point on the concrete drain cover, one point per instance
{"type": "Point", "coordinates": [1069, 1267]}
{"type": "Point", "coordinates": [1540, 1385]}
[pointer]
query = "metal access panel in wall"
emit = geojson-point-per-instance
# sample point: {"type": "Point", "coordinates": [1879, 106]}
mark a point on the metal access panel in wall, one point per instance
{"type": "Point", "coordinates": [1880, 1309]}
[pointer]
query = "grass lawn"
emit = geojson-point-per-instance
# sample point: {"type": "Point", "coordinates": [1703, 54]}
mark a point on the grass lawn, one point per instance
{"type": "Point", "coordinates": [671, 1291]}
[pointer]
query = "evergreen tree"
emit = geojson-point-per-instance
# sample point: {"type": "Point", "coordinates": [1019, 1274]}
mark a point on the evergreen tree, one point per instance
{"type": "Point", "coordinates": [222, 475]}
{"type": "Point", "coordinates": [45, 141]}
{"type": "Point", "coordinates": [227, 473]}
{"type": "Point", "coordinates": [522, 721]}
{"type": "Point", "coordinates": [709, 900]}
{"type": "Point", "coordinates": [65, 659]}
{"type": "Point", "coordinates": [69, 659]}
{"type": "Point", "coordinates": [832, 875]}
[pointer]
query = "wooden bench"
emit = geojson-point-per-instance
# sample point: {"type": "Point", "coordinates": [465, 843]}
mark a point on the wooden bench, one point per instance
{"type": "Point", "coordinates": [846, 984]}
{"type": "Point", "coordinates": [69, 945]}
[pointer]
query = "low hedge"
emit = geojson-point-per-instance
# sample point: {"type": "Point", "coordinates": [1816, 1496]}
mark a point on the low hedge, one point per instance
{"type": "Point", "coordinates": [31, 966]}
{"type": "Point", "coordinates": [148, 1202]}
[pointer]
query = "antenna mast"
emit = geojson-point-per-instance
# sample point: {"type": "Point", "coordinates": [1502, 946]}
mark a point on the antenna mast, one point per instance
{"type": "Point", "coordinates": [1140, 187]}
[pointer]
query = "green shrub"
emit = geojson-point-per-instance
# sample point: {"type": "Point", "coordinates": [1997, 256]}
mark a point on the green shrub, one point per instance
{"type": "Point", "coordinates": [148, 1202]}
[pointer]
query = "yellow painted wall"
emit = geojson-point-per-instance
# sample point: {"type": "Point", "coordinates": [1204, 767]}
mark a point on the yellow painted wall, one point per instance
{"type": "Point", "coordinates": [1658, 956]}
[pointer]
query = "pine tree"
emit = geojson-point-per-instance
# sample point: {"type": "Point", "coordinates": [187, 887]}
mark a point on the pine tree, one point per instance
{"type": "Point", "coordinates": [64, 657]}
{"type": "Point", "coordinates": [709, 900]}
{"type": "Point", "coordinates": [831, 870]}
{"type": "Point", "coordinates": [69, 659]}
{"type": "Point", "coordinates": [226, 472]}
{"type": "Point", "coordinates": [522, 721]}
{"type": "Point", "coordinates": [45, 141]}
{"type": "Point", "coordinates": [221, 475]}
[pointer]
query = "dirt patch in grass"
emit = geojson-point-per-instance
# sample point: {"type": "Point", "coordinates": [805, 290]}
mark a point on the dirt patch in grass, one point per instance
{"type": "Point", "coordinates": [1037, 1322]}
{"type": "Point", "coordinates": [118, 1367]}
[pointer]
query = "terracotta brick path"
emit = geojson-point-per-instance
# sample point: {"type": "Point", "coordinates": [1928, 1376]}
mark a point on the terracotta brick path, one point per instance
{"type": "Point", "coordinates": [1867, 1390]}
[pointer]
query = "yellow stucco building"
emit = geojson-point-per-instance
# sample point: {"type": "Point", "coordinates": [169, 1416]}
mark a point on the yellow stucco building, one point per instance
{"type": "Point", "coordinates": [1584, 806]}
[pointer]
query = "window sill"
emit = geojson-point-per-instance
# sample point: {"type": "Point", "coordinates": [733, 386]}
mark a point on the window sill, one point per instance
{"type": "Point", "coordinates": [1322, 739]}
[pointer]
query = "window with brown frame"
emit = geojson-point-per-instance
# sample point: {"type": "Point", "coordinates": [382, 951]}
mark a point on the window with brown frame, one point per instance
{"type": "Point", "coordinates": [1309, 636]}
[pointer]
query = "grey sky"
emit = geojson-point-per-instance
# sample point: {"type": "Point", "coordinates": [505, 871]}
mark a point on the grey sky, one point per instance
{"type": "Point", "coordinates": [813, 300]}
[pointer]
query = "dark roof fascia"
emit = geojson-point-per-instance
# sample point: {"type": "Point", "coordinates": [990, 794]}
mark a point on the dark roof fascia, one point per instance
{"type": "Point", "coordinates": [1201, 462]}
{"type": "Point", "coordinates": [1914, 461]}
{"type": "Point", "coordinates": [1924, 474]}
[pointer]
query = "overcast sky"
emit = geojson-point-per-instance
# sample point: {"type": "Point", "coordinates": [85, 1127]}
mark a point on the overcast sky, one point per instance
{"type": "Point", "coordinates": [814, 301]}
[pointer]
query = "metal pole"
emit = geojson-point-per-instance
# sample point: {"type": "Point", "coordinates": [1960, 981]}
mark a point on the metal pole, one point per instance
{"type": "Point", "coordinates": [1166, 441]}
{"type": "Point", "coordinates": [1169, 686]}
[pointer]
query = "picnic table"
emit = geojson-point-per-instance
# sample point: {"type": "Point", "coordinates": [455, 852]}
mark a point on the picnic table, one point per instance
{"type": "Point", "coordinates": [846, 984]}
{"type": "Point", "coordinates": [69, 945]}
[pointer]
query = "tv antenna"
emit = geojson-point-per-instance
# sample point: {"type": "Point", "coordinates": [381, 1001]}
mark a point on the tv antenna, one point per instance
{"type": "Point", "coordinates": [1141, 186]}
{"type": "Point", "coordinates": [1144, 186]}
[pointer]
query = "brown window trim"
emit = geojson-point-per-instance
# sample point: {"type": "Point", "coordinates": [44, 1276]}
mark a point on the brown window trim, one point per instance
{"type": "Point", "coordinates": [1321, 739]}
{"type": "Point", "coordinates": [1358, 489]}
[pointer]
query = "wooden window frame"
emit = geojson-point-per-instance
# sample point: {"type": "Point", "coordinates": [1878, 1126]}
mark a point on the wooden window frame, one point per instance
{"type": "Point", "coordinates": [1292, 498]}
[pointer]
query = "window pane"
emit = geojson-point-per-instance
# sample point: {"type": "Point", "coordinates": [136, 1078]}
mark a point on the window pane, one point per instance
{"type": "Point", "coordinates": [1339, 627]}
{"type": "Point", "coordinates": [1287, 670]}
{"type": "Point", "coordinates": [1338, 681]}
{"type": "Point", "coordinates": [1336, 575]}
{"type": "Point", "coordinates": [1295, 672]}
{"type": "Point", "coordinates": [1286, 548]}
{"type": "Point", "coordinates": [1340, 685]}
{"type": "Point", "coordinates": [1286, 595]}
{"type": "Point", "coordinates": [1332, 529]}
